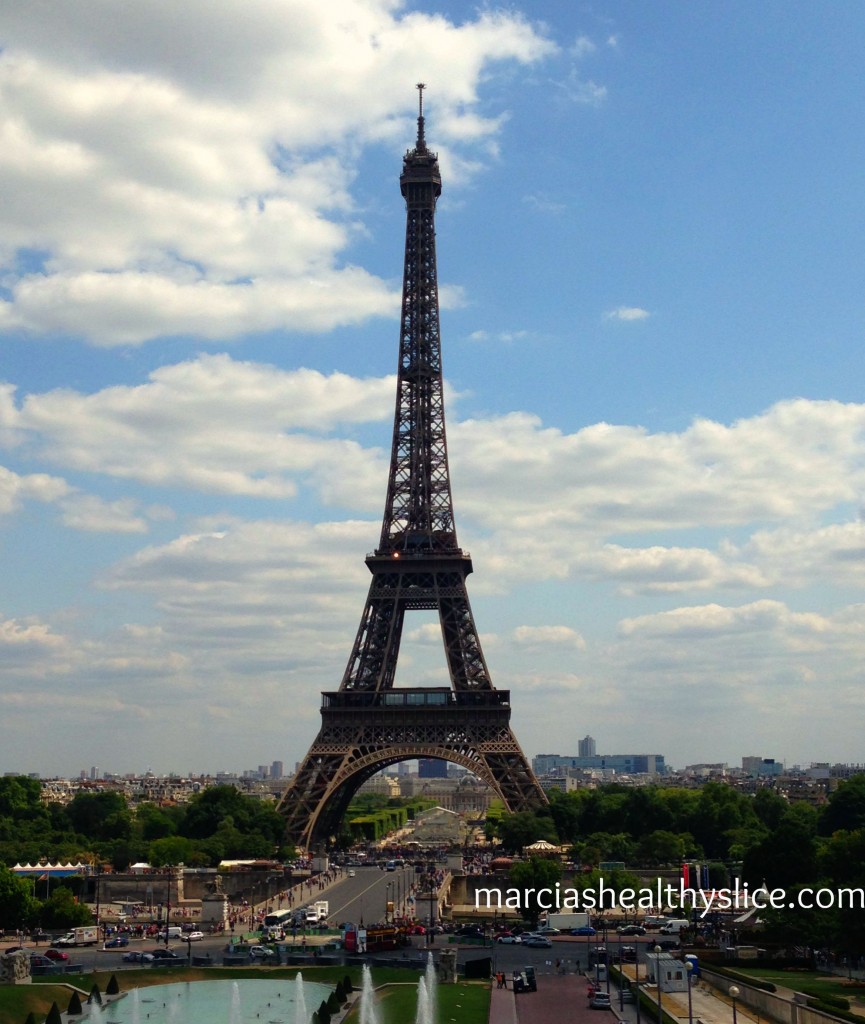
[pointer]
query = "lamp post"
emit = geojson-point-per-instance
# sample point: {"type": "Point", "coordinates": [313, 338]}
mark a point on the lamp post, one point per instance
{"type": "Point", "coordinates": [658, 980]}
{"type": "Point", "coordinates": [387, 900]}
{"type": "Point", "coordinates": [621, 976]}
{"type": "Point", "coordinates": [733, 992]}
{"type": "Point", "coordinates": [637, 978]}
{"type": "Point", "coordinates": [689, 968]}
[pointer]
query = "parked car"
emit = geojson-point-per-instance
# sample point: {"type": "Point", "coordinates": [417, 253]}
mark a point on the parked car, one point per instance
{"type": "Point", "coordinates": [548, 929]}
{"type": "Point", "coordinates": [163, 954]}
{"type": "Point", "coordinates": [631, 929]}
{"type": "Point", "coordinates": [508, 938]}
{"type": "Point", "coordinates": [586, 929]}
{"type": "Point", "coordinates": [538, 942]}
{"type": "Point", "coordinates": [194, 936]}
{"type": "Point", "coordinates": [262, 952]}
{"type": "Point", "coordinates": [39, 961]}
{"type": "Point", "coordinates": [116, 942]}
{"type": "Point", "coordinates": [601, 1001]}
{"type": "Point", "coordinates": [56, 954]}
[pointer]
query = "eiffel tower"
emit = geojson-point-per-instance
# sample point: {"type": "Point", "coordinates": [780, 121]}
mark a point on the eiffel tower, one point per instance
{"type": "Point", "coordinates": [418, 565]}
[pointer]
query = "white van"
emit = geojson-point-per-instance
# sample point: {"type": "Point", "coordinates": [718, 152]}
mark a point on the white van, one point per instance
{"type": "Point", "coordinates": [672, 926]}
{"type": "Point", "coordinates": [174, 931]}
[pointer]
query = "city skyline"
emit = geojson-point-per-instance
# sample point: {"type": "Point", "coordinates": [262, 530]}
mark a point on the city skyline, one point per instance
{"type": "Point", "coordinates": [650, 260]}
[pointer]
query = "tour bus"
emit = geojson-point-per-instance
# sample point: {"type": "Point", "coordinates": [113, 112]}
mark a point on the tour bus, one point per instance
{"type": "Point", "coordinates": [279, 920]}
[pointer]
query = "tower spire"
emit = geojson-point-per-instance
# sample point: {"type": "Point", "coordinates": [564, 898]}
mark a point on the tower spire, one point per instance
{"type": "Point", "coordinates": [421, 142]}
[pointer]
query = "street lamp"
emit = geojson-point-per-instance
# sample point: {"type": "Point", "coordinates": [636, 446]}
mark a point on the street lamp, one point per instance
{"type": "Point", "coordinates": [621, 976]}
{"type": "Point", "coordinates": [689, 968]}
{"type": "Point", "coordinates": [733, 992]}
{"type": "Point", "coordinates": [658, 980]}
{"type": "Point", "coordinates": [637, 978]}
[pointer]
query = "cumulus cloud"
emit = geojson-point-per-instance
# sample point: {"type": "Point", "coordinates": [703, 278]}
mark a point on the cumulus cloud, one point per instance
{"type": "Point", "coordinates": [186, 171]}
{"type": "Point", "coordinates": [190, 426]}
{"type": "Point", "coordinates": [542, 636]}
{"type": "Point", "coordinates": [15, 489]}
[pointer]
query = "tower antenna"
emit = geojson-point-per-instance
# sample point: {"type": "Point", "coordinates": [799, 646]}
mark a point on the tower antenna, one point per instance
{"type": "Point", "coordinates": [421, 143]}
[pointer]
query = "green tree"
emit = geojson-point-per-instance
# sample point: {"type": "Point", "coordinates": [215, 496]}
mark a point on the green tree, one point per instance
{"type": "Point", "coordinates": [846, 807]}
{"type": "Point", "coordinates": [17, 903]}
{"type": "Point", "coordinates": [61, 910]}
{"type": "Point", "coordinates": [517, 831]}
{"type": "Point", "coordinates": [662, 847]}
{"type": "Point", "coordinates": [152, 822]}
{"type": "Point", "coordinates": [531, 875]}
{"type": "Point", "coordinates": [788, 855]}
{"type": "Point", "coordinates": [100, 815]}
{"type": "Point", "coordinates": [171, 850]}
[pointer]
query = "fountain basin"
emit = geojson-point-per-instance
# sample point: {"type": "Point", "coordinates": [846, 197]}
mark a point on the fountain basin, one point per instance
{"type": "Point", "coordinates": [240, 1001]}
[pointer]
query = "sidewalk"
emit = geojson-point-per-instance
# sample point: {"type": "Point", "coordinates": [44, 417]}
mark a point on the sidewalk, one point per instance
{"type": "Point", "coordinates": [503, 1008]}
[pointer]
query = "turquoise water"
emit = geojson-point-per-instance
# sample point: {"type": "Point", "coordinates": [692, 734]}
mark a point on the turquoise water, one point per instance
{"type": "Point", "coordinates": [253, 1001]}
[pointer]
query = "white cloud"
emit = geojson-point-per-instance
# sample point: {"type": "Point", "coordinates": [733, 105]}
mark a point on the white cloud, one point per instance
{"type": "Point", "coordinates": [190, 425]}
{"type": "Point", "coordinates": [771, 499]}
{"type": "Point", "coordinates": [544, 636]}
{"type": "Point", "coordinates": [501, 337]}
{"type": "Point", "coordinates": [186, 170]}
{"type": "Point", "coordinates": [582, 47]}
{"type": "Point", "coordinates": [92, 514]}
{"type": "Point", "coordinates": [628, 313]}
{"type": "Point", "coordinates": [15, 489]}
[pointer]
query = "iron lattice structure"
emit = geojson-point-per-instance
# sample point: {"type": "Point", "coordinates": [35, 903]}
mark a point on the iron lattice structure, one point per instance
{"type": "Point", "coordinates": [369, 723]}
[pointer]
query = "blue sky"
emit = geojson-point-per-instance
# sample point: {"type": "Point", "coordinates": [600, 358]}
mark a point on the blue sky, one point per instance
{"type": "Point", "coordinates": [651, 268]}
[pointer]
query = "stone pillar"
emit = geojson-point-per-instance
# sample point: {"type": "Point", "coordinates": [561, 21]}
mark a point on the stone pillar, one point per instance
{"type": "Point", "coordinates": [448, 966]}
{"type": "Point", "coordinates": [214, 910]}
{"type": "Point", "coordinates": [15, 969]}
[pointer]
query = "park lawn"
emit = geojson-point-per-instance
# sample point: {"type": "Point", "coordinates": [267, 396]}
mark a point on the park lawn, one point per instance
{"type": "Point", "coordinates": [467, 1002]}
{"type": "Point", "coordinates": [813, 982]}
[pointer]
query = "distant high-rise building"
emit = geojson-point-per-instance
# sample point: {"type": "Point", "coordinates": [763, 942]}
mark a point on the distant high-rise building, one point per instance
{"type": "Point", "coordinates": [432, 768]}
{"type": "Point", "coordinates": [586, 747]}
{"type": "Point", "coordinates": [276, 770]}
{"type": "Point", "coordinates": [263, 771]}
{"type": "Point", "coordinates": [639, 764]}
{"type": "Point", "coordinates": [762, 766]}
{"type": "Point", "coordinates": [94, 772]}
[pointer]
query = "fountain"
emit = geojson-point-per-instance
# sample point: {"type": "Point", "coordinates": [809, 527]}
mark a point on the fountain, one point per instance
{"type": "Point", "coordinates": [431, 980]}
{"type": "Point", "coordinates": [244, 1001]}
{"type": "Point", "coordinates": [368, 1013]}
{"type": "Point", "coordinates": [234, 1015]}
{"type": "Point", "coordinates": [299, 1000]}
{"type": "Point", "coordinates": [423, 1015]}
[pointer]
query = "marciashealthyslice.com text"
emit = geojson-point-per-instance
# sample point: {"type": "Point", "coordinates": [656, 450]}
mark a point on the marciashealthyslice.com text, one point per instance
{"type": "Point", "coordinates": [705, 901]}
